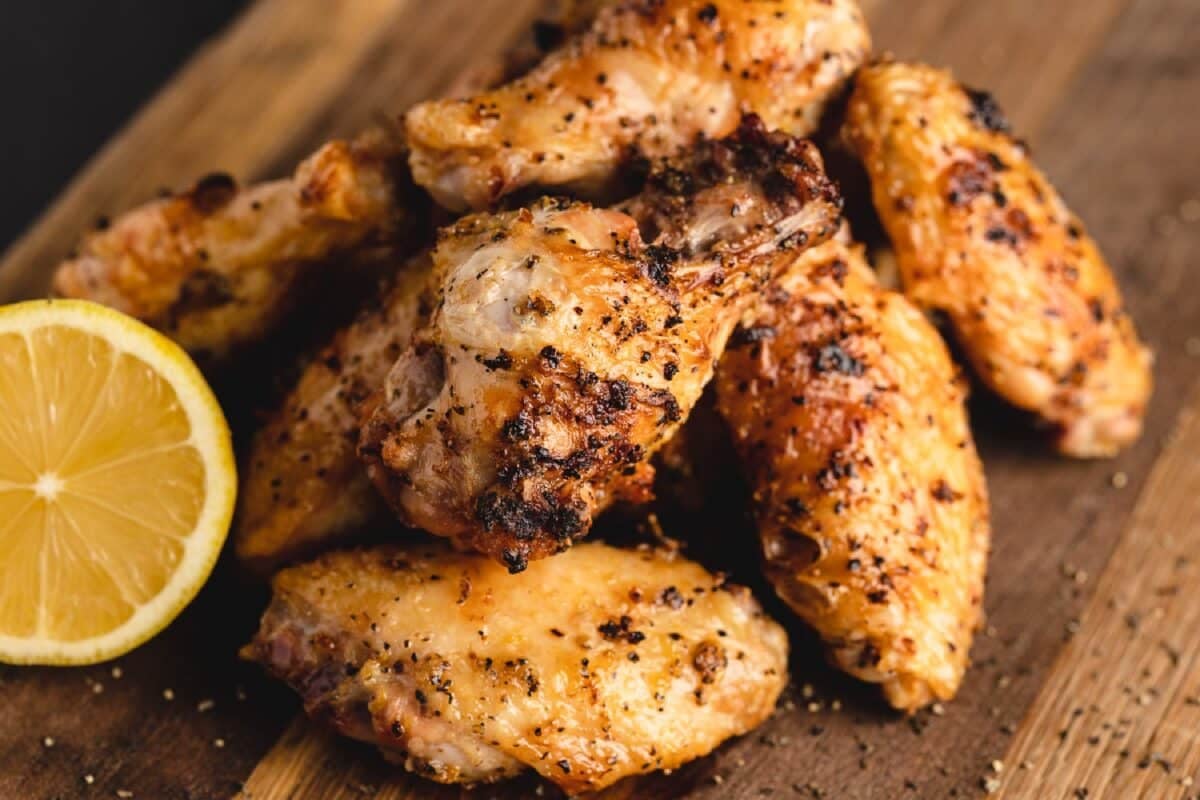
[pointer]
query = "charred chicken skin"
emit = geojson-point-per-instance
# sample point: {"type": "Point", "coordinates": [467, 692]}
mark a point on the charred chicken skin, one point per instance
{"type": "Point", "coordinates": [849, 418]}
{"type": "Point", "coordinates": [648, 75]}
{"type": "Point", "coordinates": [981, 235]}
{"type": "Point", "coordinates": [569, 342]}
{"type": "Point", "coordinates": [303, 485]}
{"type": "Point", "coordinates": [592, 666]}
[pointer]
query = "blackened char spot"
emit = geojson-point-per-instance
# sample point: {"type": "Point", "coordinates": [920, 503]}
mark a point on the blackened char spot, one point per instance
{"type": "Point", "coordinates": [212, 192]}
{"type": "Point", "coordinates": [519, 428]}
{"type": "Point", "coordinates": [943, 493]}
{"type": "Point", "coordinates": [986, 112]}
{"type": "Point", "coordinates": [709, 660]}
{"type": "Point", "coordinates": [967, 179]}
{"type": "Point", "coordinates": [660, 260]}
{"type": "Point", "coordinates": [515, 560]}
{"type": "Point", "coordinates": [501, 360]}
{"type": "Point", "coordinates": [524, 519]}
{"type": "Point", "coordinates": [832, 358]}
{"type": "Point", "coordinates": [620, 394]}
{"type": "Point", "coordinates": [749, 335]}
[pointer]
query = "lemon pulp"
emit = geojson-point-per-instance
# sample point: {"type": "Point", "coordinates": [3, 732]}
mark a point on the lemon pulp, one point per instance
{"type": "Point", "coordinates": [116, 482]}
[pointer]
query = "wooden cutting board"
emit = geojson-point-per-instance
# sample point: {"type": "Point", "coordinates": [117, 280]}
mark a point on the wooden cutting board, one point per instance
{"type": "Point", "coordinates": [1087, 679]}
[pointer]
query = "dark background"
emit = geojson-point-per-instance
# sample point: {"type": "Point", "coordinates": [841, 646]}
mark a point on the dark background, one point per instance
{"type": "Point", "coordinates": [72, 72]}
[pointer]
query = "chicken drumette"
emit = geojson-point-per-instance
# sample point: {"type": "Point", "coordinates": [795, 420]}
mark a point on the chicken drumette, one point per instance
{"type": "Point", "coordinates": [591, 666]}
{"type": "Point", "coordinates": [980, 234]}
{"type": "Point", "coordinates": [569, 342]}
{"type": "Point", "coordinates": [850, 421]}
{"type": "Point", "coordinates": [648, 75]}
{"type": "Point", "coordinates": [215, 267]}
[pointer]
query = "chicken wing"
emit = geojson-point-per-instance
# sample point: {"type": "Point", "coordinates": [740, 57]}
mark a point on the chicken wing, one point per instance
{"type": "Point", "coordinates": [303, 484]}
{"type": "Point", "coordinates": [592, 666]}
{"type": "Point", "coordinates": [215, 267]}
{"type": "Point", "coordinates": [849, 418]}
{"type": "Point", "coordinates": [564, 349]}
{"type": "Point", "coordinates": [982, 235]}
{"type": "Point", "coordinates": [648, 75]}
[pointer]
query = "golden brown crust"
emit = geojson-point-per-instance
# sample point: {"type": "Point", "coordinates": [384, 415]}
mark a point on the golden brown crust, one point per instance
{"type": "Point", "coordinates": [565, 349]}
{"type": "Point", "coordinates": [850, 421]}
{"type": "Point", "coordinates": [648, 75]}
{"type": "Point", "coordinates": [215, 267]}
{"type": "Point", "coordinates": [592, 666]}
{"type": "Point", "coordinates": [303, 485]}
{"type": "Point", "coordinates": [981, 234]}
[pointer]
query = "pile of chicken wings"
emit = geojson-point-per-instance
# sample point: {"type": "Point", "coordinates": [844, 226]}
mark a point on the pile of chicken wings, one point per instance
{"type": "Point", "coordinates": [634, 217]}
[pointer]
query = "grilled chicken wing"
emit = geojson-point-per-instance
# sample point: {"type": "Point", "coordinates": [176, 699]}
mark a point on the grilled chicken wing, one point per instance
{"type": "Point", "coordinates": [216, 266]}
{"type": "Point", "coordinates": [648, 75]}
{"type": "Point", "coordinates": [564, 349]}
{"type": "Point", "coordinates": [303, 484]}
{"type": "Point", "coordinates": [589, 667]}
{"type": "Point", "coordinates": [850, 421]}
{"type": "Point", "coordinates": [982, 235]}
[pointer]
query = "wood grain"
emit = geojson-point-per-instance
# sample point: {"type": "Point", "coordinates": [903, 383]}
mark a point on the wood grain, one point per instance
{"type": "Point", "coordinates": [1100, 88]}
{"type": "Point", "coordinates": [1119, 715]}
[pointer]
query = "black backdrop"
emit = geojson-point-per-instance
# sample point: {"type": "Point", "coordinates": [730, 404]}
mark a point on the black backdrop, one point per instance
{"type": "Point", "coordinates": [71, 73]}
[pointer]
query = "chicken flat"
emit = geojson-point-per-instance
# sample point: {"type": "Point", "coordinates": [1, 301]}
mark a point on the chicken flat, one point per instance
{"type": "Point", "coordinates": [592, 666]}
{"type": "Point", "coordinates": [569, 342]}
{"type": "Point", "coordinates": [648, 75]}
{"type": "Point", "coordinates": [849, 418]}
{"type": "Point", "coordinates": [215, 267]}
{"type": "Point", "coordinates": [981, 234]}
{"type": "Point", "coordinates": [303, 484]}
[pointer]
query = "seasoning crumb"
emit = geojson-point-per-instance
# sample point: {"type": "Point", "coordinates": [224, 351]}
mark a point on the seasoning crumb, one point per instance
{"type": "Point", "coordinates": [48, 741]}
{"type": "Point", "coordinates": [89, 779]}
{"type": "Point", "coordinates": [205, 705]}
{"type": "Point", "coordinates": [168, 695]}
{"type": "Point", "coordinates": [990, 785]}
{"type": "Point", "coordinates": [938, 709]}
{"type": "Point", "coordinates": [997, 766]}
{"type": "Point", "coordinates": [1120, 480]}
{"type": "Point", "coordinates": [218, 743]}
{"type": "Point", "coordinates": [124, 794]}
{"type": "Point", "coordinates": [117, 672]}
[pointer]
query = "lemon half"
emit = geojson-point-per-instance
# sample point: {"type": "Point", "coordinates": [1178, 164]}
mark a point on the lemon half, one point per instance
{"type": "Point", "coordinates": [117, 482]}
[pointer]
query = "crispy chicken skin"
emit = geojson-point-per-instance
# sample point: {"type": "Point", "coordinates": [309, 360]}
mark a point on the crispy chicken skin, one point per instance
{"type": "Point", "coordinates": [849, 418]}
{"type": "Point", "coordinates": [569, 342]}
{"type": "Point", "coordinates": [648, 75]}
{"type": "Point", "coordinates": [589, 667]}
{"type": "Point", "coordinates": [216, 266]}
{"type": "Point", "coordinates": [981, 234]}
{"type": "Point", "coordinates": [303, 484]}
